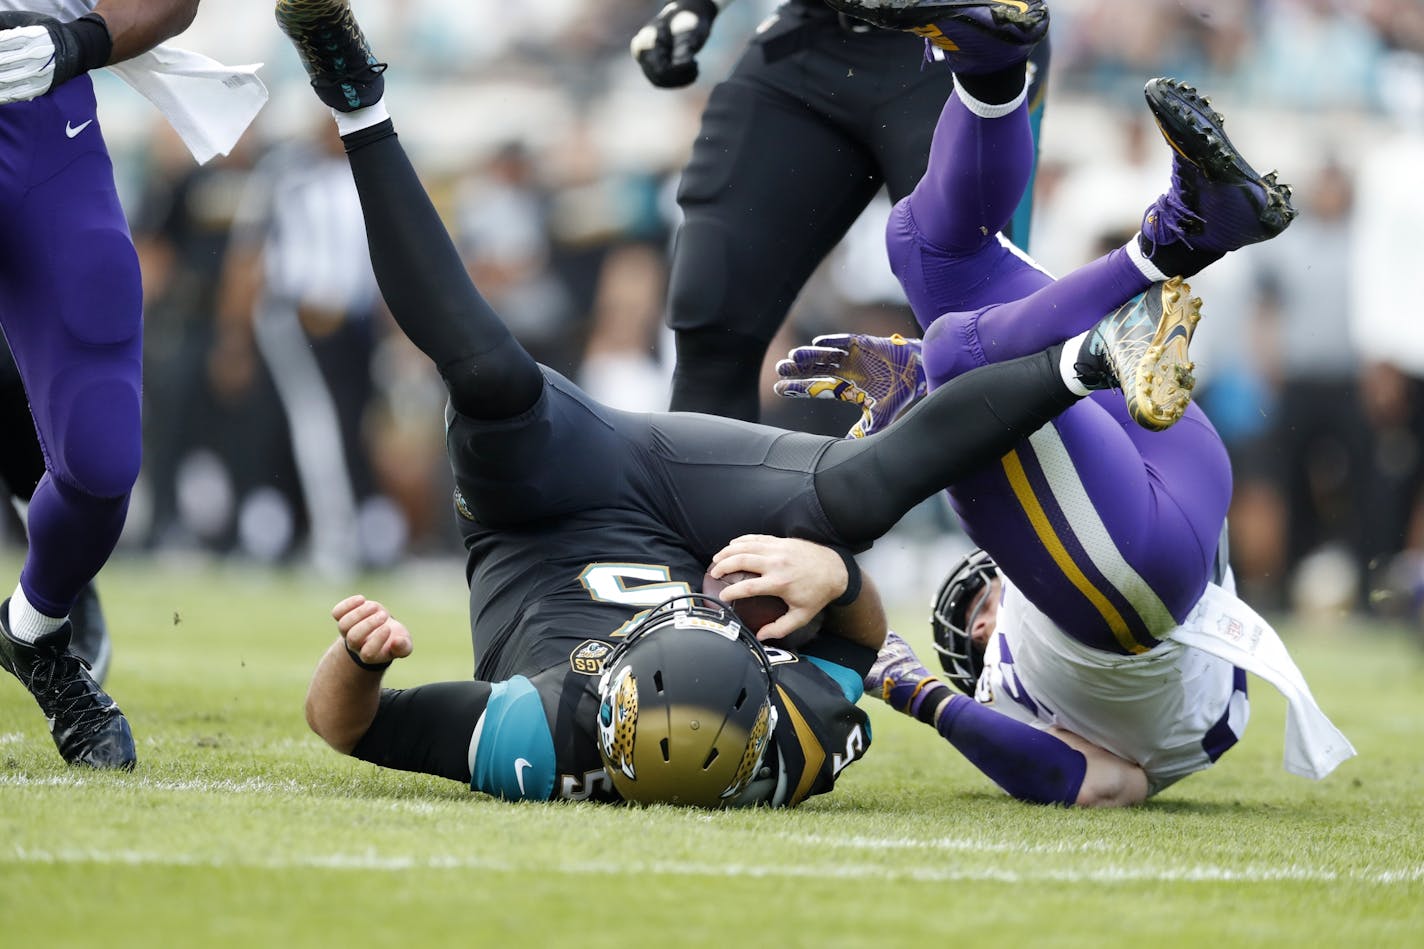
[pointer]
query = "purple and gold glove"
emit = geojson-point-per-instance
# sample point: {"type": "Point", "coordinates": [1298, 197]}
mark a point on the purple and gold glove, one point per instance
{"type": "Point", "coordinates": [881, 374]}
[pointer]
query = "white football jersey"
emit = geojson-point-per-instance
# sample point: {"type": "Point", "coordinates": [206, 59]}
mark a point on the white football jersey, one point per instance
{"type": "Point", "coordinates": [1173, 709]}
{"type": "Point", "coordinates": [59, 9]}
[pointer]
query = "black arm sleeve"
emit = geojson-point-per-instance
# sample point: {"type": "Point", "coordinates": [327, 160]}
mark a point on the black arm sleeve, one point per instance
{"type": "Point", "coordinates": [865, 485]}
{"type": "Point", "coordinates": [842, 652]}
{"type": "Point", "coordinates": [426, 729]}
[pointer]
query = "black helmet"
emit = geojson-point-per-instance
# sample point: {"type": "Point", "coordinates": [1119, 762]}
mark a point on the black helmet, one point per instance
{"type": "Point", "coordinates": [952, 622]}
{"type": "Point", "coordinates": [685, 711]}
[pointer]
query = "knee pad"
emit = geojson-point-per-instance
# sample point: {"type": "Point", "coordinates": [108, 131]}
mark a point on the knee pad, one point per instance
{"type": "Point", "coordinates": [699, 297]}
{"type": "Point", "coordinates": [97, 447]}
{"type": "Point", "coordinates": [951, 348]}
{"type": "Point", "coordinates": [101, 298]}
{"type": "Point", "coordinates": [718, 372]}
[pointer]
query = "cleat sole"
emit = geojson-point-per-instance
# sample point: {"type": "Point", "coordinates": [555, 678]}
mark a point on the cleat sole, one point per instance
{"type": "Point", "coordinates": [1161, 392]}
{"type": "Point", "coordinates": [1197, 133]}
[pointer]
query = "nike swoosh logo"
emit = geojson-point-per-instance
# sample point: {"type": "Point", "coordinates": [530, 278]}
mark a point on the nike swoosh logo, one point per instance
{"type": "Point", "coordinates": [1178, 332]}
{"type": "Point", "coordinates": [520, 765]}
{"type": "Point", "coordinates": [72, 130]}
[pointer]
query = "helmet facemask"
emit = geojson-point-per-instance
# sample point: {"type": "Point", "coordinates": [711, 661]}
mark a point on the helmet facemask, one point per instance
{"type": "Point", "coordinates": [957, 605]}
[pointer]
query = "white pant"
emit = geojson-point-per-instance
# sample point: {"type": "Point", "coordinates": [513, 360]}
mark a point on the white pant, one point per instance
{"type": "Point", "coordinates": [1172, 710]}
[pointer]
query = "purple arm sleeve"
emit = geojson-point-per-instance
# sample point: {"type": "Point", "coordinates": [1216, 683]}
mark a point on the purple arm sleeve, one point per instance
{"type": "Point", "coordinates": [1031, 765]}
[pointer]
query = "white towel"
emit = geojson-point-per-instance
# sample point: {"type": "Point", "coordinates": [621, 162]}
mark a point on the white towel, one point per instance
{"type": "Point", "coordinates": [1222, 625]}
{"type": "Point", "coordinates": [208, 104]}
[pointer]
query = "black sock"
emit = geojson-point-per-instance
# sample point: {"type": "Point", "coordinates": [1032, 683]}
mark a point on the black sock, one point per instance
{"type": "Point", "coordinates": [427, 288]}
{"type": "Point", "coordinates": [995, 88]}
{"type": "Point", "coordinates": [1177, 259]}
{"type": "Point", "coordinates": [368, 135]}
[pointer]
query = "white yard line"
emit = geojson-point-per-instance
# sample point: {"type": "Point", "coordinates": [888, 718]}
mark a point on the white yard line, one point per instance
{"type": "Point", "coordinates": [1115, 872]}
{"type": "Point", "coordinates": [225, 786]}
{"type": "Point", "coordinates": [371, 861]}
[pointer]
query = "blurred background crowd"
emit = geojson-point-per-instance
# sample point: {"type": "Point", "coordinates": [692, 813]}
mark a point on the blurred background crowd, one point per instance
{"type": "Point", "coordinates": [286, 422]}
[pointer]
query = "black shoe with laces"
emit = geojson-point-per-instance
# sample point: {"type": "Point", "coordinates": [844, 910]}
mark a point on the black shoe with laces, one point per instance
{"type": "Point", "coordinates": [89, 639]}
{"type": "Point", "coordinates": [85, 723]}
{"type": "Point", "coordinates": [344, 73]}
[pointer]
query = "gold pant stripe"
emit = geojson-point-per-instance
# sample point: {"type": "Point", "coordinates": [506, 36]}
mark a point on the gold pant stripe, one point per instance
{"type": "Point", "coordinates": [1018, 480]}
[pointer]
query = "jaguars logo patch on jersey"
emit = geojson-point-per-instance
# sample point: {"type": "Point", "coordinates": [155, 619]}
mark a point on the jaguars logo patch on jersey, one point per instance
{"type": "Point", "coordinates": [462, 507]}
{"type": "Point", "coordinates": [587, 658]}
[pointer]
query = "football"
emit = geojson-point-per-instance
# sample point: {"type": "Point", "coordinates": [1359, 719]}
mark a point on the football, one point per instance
{"type": "Point", "coordinates": [755, 611]}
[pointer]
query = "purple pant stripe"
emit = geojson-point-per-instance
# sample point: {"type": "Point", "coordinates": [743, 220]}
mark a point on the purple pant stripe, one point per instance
{"type": "Point", "coordinates": [1219, 738]}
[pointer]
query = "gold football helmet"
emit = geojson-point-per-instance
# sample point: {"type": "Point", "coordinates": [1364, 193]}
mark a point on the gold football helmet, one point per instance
{"type": "Point", "coordinates": [685, 711]}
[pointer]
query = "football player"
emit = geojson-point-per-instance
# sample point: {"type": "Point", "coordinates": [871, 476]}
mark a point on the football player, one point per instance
{"type": "Point", "coordinates": [819, 113]}
{"type": "Point", "coordinates": [21, 468]}
{"type": "Point", "coordinates": [71, 307]}
{"type": "Point", "coordinates": [579, 519]}
{"type": "Point", "coordinates": [1102, 584]}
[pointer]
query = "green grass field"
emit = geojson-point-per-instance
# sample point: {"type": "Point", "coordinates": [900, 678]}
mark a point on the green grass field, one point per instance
{"type": "Point", "coordinates": [240, 828]}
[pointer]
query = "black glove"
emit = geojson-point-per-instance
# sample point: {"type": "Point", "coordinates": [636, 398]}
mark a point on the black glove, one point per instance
{"type": "Point", "coordinates": [78, 46]}
{"type": "Point", "coordinates": [667, 47]}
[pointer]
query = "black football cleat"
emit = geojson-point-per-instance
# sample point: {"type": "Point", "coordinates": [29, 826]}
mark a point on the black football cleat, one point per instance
{"type": "Point", "coordinates": [344, 73]}
{"type": "Point", "coordinates": [1218, 202]}
{"type": "Point", "coordinates": [90, 637]}
{"type": "Point", "coordinates": [86, 725]}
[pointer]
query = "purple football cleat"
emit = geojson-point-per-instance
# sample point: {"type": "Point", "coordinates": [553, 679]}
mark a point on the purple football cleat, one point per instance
{"type": "Point", "coordinates": [974, 36]}
{"type": "Point", "coordinates": [1217, 202]}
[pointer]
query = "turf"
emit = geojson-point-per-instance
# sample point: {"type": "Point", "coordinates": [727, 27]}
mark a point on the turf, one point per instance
{"type": "Point", "coordinates": [241, 829]}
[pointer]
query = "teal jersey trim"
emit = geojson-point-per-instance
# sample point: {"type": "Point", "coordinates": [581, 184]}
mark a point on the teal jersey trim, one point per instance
{"type": "Point", "coordinates": [1022, 221]}
{"type": "Point", "coordinates": [850, 683]}
{"type": "Point", "coordinates": [515, 756]}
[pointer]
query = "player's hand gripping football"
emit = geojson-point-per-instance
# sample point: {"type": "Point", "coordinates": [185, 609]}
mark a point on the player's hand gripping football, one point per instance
{"type": "Point", "coordinates": [667, 46]}
{"type": "Point", "coordinates": [38, 53]}
{"type": "Point", "coordinates": [807, 576]}
{"type": "Point", "coordinates": [881, 374]}
{"type": "Point", "coordinates": [370, 631]}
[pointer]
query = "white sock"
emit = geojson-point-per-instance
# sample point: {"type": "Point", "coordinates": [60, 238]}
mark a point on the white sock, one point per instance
{"type": "Point", "coordinates": [348, 122]}
{"type": "Point", "coordinates": [1066, 360]}
{"type": "Point", "coordinates": [1148, 268]}
{"type": "Point", "coordinates": [986, 111]}
{"type": "Point", "coordinates": [28, 624]}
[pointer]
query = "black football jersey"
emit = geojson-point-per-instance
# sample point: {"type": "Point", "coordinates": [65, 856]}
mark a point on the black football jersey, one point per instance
{"type": "Point", "coordinates": [577, 520]}
{"type": "Point", "coordinates": [819, 728]}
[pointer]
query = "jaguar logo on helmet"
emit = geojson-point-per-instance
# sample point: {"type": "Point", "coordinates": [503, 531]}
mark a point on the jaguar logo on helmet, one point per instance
{"type": "Point", "coordinates": [617, 723]}
{"type": "Point", "coordinates": [685, 710]}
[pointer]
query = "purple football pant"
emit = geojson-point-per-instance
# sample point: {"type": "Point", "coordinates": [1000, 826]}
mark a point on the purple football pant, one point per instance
{"type": "Point", "coordinates": [1109, 529]}
{"type": "Point", "coordinates": [71, 309]}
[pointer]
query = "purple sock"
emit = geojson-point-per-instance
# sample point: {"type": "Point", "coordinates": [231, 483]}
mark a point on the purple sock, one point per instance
{"type": "Point", "coordinates": [1030, 764]}
{"type": "Point", "coordinates": [71, 536]}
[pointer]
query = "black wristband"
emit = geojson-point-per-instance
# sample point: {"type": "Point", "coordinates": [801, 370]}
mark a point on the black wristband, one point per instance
{"type": "Point", "coordinates": [853, 579]}
{"type": "Point", "coordinates": [95, 44]}
{"type": "Point", "coordinates": [368, 666]}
